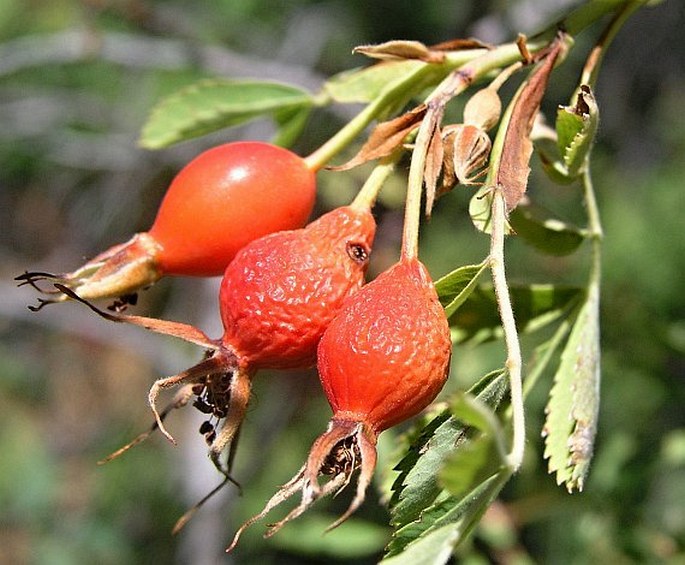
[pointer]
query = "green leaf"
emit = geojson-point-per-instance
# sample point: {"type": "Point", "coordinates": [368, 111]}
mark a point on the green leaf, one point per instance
{"type": "Point", "coordinates": [455, 287]}
{"type": "Point", "coordinates": [547, 151]}
{"type": "Point", "coordinates": [544, 354]}
{"type": "Point", "coordinates": [480, 457]}
{"type": "Point", "coordinates": [443, 525]}
{"type": "Point", "coordinates": [544, 232]}
{"type": "Point", "coordinates": [535, 306]}
{"type": "Point", "coordinates": [576, 128]}
{"type": "Point", "coordinates": [466, 466]}
{"type": "Point", "coordinates": [364, 85]}
{"type": "Point", "coordinates": [573, 406]}
{"type": "Point", "coordinates": [417, 487]}
{"type": "Point", "coordinates": [211, 105]}
{"type": "Point", "coordinates": [432, 549]}
{"type": "Point", "coordinates": [470, 411]}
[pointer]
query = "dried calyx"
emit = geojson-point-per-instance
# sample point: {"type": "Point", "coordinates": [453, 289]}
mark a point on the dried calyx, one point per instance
{"type": "Point", "coordinates": [382, 360]}
{"type": "Point", "coordinates": [347, 446]}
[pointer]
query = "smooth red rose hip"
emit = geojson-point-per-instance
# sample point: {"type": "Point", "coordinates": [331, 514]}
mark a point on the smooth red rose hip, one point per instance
{"type": "Point", "coordinates": [225, 198]}
{"type": "Point", "coordinates": [220, 201]}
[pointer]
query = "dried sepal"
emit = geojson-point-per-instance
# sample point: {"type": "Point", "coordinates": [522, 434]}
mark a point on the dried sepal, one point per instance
{"type": "Point", "coordinates": [118, 272]}
{"type": "Point", "coordinates": [186, 332]}
{"type": "Point", "coordinates": [345, 447]}
{"type": "Point", "coordinates": [467, 149]}
{"type": "Point", "coordinates": [401, 49]}
{"type": "Point", "coordinates": [385, 138]}
{"type": "Point", "coordinates": [432, 168]}
{"type": "Point", "coordinates": [180, 400]}
{"type": "Point", "coordinates": [219, 378]}
{"type": "Point", "coordinates": [461, 45]}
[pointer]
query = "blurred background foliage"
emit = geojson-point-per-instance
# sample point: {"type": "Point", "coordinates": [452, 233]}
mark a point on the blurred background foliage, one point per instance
{"type": "Point", "coordinates": [77, 81]}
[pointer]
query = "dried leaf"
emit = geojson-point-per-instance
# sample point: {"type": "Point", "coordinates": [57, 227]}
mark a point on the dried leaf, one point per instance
{"type": "Point", "coordinates": [431, 172]}
{"type": "Point", "coordinates": [466, 150]}
{"type": "Point", "coordinates": [385, 138]}
{"type": "Point", "coordinates": [471, 150]}
{"type": "Point", "coordinates": [513, 170]}
{"type": "Point", "coordinates": [460, 45]}
{"type": "Point", "coordinates": [401, 49]}
{"type": "Point", "coordinates": [449, 177]}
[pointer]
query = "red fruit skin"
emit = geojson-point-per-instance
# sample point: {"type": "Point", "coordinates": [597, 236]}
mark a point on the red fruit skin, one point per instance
{"type": "Point", "coordinates": [281, 291]}
{"type": "Point", "coordinates": [225, 198]}
{"type": "Point", "coordinates": [385, 357]}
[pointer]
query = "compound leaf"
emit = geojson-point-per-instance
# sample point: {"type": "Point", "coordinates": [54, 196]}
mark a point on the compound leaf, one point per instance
{"type": "Point", "coordinates": [573, 406]}
{"type": "Point", "coordinates": [211, 105]}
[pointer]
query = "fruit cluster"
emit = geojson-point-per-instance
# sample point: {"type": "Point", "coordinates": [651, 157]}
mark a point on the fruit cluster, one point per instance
{"type": "Point", "coordinates": [291, 297]}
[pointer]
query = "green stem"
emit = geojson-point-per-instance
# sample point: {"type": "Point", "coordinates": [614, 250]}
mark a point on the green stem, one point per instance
{"type": "Point", "coordinates": [514, 359]}
{"type": "Point", "coordinates": [412, 207]}
{"type": "Point", "coordinates": [594, 60]}
{"type": "Point", "coordinates": [366, 197]}
{"type": "Point", "coordinates": [394, 94]}
{"type": "Point", "coordinates": [454, 84]}
{"type": "Point", "coordinates": [594, 225]}
{"type": "Point", "coordinates": [588, 13]}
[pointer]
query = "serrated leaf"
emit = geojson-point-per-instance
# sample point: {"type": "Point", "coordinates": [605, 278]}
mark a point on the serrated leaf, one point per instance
{"type": "Point", "coordinates": [535, 306]}
{"type": "Point", "coordinates": [576, 128]}
{"type": "Point", "coordinates": [454, 288]}
{"type": "Point", "coordinates": [548, 152]}
{"type": "Point", "coordinates": [417, 484]}
{"type": "Point", "coordinates": [457, 515]}
{"type": "Point", "coordinates": [543, 231]}
{"type": "Point", "coordinates": [432, 549]}
{"type": "Point", "coordinates": [211, 105]}
{"type": "Point", "coordinates": [480, 457]}
{"type": "Point", "coordinates": [364, 85]}
{"type": "Point", "coordinates": [573, 406]}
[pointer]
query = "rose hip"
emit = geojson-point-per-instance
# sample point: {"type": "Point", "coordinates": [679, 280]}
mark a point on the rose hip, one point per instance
{"type": "Point", "coordinates": [277, 297]}
{"type": "Point", "coordinates": [220, 201]}
{"type": "Point", "coordinates": [382, 360]}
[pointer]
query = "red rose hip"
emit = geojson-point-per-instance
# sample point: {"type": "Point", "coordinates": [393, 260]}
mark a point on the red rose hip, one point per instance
{"type": "Point", "coordinates": [277, 297]}
{"type": "Point", "coordinates": [381, 360]}
{"type": "Point", "coordinates": [223, 199]}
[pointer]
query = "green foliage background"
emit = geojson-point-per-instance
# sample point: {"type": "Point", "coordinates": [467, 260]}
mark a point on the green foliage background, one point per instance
{"type": "Point", "coordinates": [78, 80]}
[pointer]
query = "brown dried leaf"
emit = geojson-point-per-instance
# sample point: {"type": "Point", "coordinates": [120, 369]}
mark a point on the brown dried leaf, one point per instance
{"type": "Point", "coordinates": [401, 49]}
{"type": "Point", "coordinates": [466, 151]}
{"type": "Point", "coordinates": [449, 177]}
{"type": "Point", "coordinates": [431, 172]}
{"type": "Point", "coordinates": [471, 151]}
{"type": "Point", "coordinates": [385, 138]}
{"type": "Point", "coordinates": [460, 45]}
{"type": "Point", "coordinates": [517, 148]}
